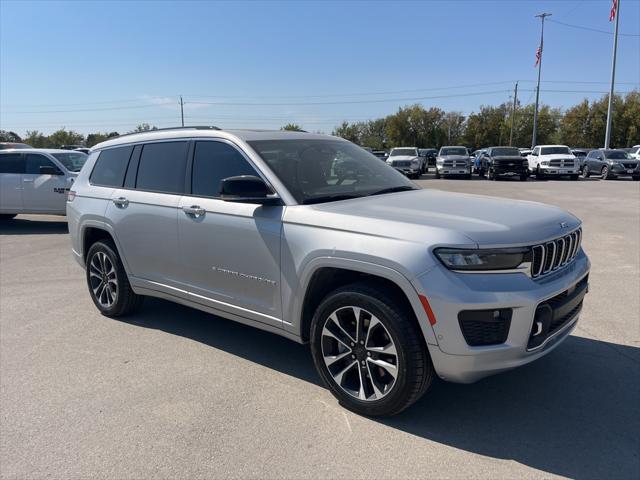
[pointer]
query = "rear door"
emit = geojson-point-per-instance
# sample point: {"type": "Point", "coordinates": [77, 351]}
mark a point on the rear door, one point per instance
{"type": "Point", "coordinates": [44, 185]}
{"type": "Point", "coordinates": [11, 169]}
{"type": "Point", "coordinates": [144, 211]}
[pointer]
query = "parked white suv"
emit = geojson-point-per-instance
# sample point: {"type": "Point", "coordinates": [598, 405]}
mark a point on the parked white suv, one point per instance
{"type": "Point", "coordinates": [37, 180]}
{"type": "Point", "coordinates": [313, 238]}
{"type": "Point", "coordinates": [546, 161]}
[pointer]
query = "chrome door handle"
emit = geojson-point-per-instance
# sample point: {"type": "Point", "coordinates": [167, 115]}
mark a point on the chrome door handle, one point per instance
{"type": "Point", "coordinates": [121, 201]}
{"type": "Point", "coordinates": [27, 180]}
{"type": "Point", "coordinates": [195, 210]}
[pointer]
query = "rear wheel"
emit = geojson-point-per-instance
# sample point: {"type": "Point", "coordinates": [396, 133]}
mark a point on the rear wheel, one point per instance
{"type": "Point", "coordinates": [7, 216]}
{"type": "Point", "coordinates": [107, 280]}
{"type": "Point", "coordinates": [369, 351]}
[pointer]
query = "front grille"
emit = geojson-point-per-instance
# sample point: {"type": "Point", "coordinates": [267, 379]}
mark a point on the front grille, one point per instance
{"type": "Point", "coordinates": [630, 165]}
{"type": "Point", "coordinates": [485, 327]}
{"type": "Point", "coordinates": [401, 163]}
{"type": "Point", "coordinates": [557, 253]}
{"type": "Point", "coordinates": [561, 163]}
{"type": "Point", "coordinates": [455, 163]}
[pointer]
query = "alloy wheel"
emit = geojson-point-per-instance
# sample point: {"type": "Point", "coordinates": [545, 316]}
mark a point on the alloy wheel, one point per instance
{"type": "Point", "coordinates": [359, 353]}
{"type": "Point", "coordinates": [103, 280]}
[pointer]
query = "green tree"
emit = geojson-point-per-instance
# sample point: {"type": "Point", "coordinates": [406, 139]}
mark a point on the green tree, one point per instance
{"type": "Point", "coordinates": [65, 137]}
{"type": "Point", "coordinates": [574, 126]}
{"type": "Point", "coordinates": [145, 127]}
{"type": "Point", "coordinates": [348, 131]}
{"type": "Point", "coordinates": [37, 139]}
{"type": "Point", "coordinates": [6, 136]}
{"type": "Point", "coordinates": [292, 127]}
{"type": "Point", "coordinates": [95, 138]}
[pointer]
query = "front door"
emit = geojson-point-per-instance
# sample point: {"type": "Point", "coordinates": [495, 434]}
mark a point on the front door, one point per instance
{"type": "Point", "coordinates": [230, 251]}
{"type": "Point", "coordinates": [44, 185]}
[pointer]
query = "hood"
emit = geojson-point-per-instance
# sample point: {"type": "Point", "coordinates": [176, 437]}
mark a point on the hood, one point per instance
{"type": "Point", "coordinates": [402, 158]}
{"type": "Point", "coordinates": [437, 217]}
{"type": "Point", "coordinates": [509, 158]}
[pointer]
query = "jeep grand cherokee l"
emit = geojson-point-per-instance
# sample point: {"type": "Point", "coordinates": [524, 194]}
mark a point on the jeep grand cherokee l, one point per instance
{"type": "Point", "coordinates": [313, 238]}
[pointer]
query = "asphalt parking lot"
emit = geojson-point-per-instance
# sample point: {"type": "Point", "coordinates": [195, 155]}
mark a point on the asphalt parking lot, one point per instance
{"type": "Point", "coordinates": [175, 393]}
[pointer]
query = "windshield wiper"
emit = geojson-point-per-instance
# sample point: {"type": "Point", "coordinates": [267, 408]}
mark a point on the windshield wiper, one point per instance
{"type": "Point", "coordinates": [329, 198]}
{"type": "Point", "coordinates": [403, 188]}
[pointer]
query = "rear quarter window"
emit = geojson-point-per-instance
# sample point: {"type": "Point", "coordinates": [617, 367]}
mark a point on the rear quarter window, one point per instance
{"type": "Point", "coordinates": [111, 166]}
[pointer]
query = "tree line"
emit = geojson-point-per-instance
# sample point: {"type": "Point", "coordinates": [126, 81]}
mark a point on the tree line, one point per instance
{"type": "Point", "coordinates": [582, 125]}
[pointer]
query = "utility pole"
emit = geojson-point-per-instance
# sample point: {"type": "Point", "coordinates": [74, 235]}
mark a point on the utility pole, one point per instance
{"type": "Point", "coordinates": [607, 135]}
{"type": "Point", "coordinates": [539, 63]}
{"type": "Point", "coordinates": [513, 113]}
{"type": "Point", "coordinates": [182, 110]}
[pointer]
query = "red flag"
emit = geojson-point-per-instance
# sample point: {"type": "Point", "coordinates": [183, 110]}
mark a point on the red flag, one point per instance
{"type": "Point", "coordinates": [538, 55]}
{"type": "Point", "coordinates": [614, 10]}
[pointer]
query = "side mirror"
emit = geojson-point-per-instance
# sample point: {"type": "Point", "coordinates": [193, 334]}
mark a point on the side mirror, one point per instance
{"type": "Point", "coordinates": [49, 170]}
{"type": "Point", "coordinates": [247, 189]}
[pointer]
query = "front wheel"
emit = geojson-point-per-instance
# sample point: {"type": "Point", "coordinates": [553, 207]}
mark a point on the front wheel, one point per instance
{"type": "Point", "coordinates": [585, 172]}
{"type": "Point", "coordinates": [574, 177]}
{"type": "Point", "coordinates": [539, 174]}
{"type": "Point", "coordinates": [523, 177]}
{"type": "Point", "coordinates": [492, 175]}
{"type": "Point", "coordinates": [636, 178]}
{"type": "Point", "coordinates": [605, 174]}
{"type": "Point", "coordinates": [437, 174]}
{"type": "Point", "coordinates": [369, 351]}
{"type": "Point", "coordinates": [108, 283]}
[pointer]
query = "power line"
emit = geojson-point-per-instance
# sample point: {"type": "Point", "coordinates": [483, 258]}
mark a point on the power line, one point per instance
{"type": "Point", "coordinates": [590, 29]}
{"type": "Point", "coordinates": [93, 109]}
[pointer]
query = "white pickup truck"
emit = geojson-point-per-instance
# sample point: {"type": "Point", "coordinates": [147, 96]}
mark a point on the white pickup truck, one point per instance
{"type": "Point", "coordinates": [37, 180]}
{"type": "Point", "coordinates": [553, 161]}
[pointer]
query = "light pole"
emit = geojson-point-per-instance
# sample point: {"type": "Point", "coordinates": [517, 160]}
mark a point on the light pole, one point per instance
{"type": "Point", "coordinates": [542, 16]}
{"type": "Point", "coordinates": [607, 135]}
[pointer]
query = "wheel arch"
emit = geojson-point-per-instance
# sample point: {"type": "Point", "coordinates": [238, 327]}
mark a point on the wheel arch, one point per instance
{"type": "Point", "coordinates": [327, 274]}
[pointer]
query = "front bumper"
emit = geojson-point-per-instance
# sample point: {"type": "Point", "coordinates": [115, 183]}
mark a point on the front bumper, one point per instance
{"type": "Point", "coordinates": [409, 171]}
{"type": "Point", "coordinates": [510, 171]}
{"type": "Point", "coordinates": [449, 293]}
{"type": "Point", "coordinates": [446, 170]}
{"type": "Point", "coordinates": [619, 170]}
{"type": "Point", "coordinates": [559, 171]}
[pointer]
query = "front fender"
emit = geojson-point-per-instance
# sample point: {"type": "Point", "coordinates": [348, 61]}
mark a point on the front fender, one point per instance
{"type": "Point", "coordinates": [312, 266]}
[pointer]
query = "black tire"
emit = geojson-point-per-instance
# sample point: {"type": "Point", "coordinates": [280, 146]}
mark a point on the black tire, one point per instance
{"type": "Point", "coordinates": [437, 174]}
{"type": "Point", "coordinates": [636, 178]}
{"type": "Point", "coordinates": [492, 175]}
{"type": "Point", "coordinates": [539, 175]}
{"type": "Point", "coordinates": [481, 173]}
{"type": "Point", "coordinates": [7, 216]}
{"type": "Point", "coordinates": [523, 177]}
{"type": "Point", "coordinates": [467, 176]}
{"type": "Point", "coordinates": [585, 172]}
{"type": "Point", "coordinates": [605, 173]}
{"type": "Point", "coordinates": [414, 368]}
{"type": "Point", "coordinates": [126, 301]}
{"type": "Point", "coordinates": [575, 177]}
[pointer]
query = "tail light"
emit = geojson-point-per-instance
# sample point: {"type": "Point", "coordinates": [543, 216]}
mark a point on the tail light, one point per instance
{"type": "Point", "coordinates": [71, 195]}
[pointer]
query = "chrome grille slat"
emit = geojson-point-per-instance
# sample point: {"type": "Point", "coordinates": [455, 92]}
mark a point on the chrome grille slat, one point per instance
{"type": "Point", "coordinates": [550, 256]}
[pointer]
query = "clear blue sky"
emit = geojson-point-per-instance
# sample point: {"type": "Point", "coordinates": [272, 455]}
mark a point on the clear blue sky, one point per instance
{"type": "Point", "coordinates": [117, 64]}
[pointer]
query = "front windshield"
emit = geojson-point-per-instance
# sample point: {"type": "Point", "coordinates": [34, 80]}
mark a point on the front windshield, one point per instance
{"type": "Point", "coordinates": [317, 171]}
{"type": "Point", "coordinates": [617, 155]}
{"type": "Point", "coordinates": [403, 151]}
{"type": "Point", "coordinates": [555, 151]}
{"type": "Point", "coordinates": [454, 151]}
{"type": "Point", "coordinates": [72, 161]}
{"type": "Point", "coordinates": [505, 152]}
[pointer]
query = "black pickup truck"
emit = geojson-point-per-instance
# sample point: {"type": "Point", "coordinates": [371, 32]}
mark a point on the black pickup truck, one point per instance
{"type": "Point", "coordinates": [503, 162]}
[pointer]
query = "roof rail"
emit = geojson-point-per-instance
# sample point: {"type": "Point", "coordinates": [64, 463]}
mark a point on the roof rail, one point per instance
{"type": "Point", "coordinates": [195, 127]}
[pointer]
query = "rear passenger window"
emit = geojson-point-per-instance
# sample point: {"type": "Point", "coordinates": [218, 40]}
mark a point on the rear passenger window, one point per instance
{"type": "Point", "coordinates": [212, 163]}
{"type": "Point", "coordinates": [11, 163]}
{"type": "Point", "coordinates": [111, 167]}
{"type": "Point", "coordinates": [162, 167]}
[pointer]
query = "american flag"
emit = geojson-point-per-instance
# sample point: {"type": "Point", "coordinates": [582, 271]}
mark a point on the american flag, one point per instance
{"type": "Point", "coordinates": [614, 10]}
{"type": "Point", "coordinates": [538, 55]}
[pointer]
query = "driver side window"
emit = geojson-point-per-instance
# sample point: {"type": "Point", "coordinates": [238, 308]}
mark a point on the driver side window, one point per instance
{"type": "Point", "coordinates": [35, 161]}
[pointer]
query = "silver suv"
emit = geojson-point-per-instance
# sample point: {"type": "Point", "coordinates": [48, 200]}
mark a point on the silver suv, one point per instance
{"type": "Point", "coordinates": [313, 238]}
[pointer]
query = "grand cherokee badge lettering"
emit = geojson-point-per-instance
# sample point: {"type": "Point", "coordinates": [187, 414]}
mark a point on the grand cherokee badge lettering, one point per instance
{"type": "Point", "coordinates": [244, 275]}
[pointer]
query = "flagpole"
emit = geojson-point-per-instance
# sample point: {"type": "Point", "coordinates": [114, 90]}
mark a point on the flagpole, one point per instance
{"type": "Point", "coordinates": [607, 136]}
{"type": "Point", "coordinates": [535, 113]}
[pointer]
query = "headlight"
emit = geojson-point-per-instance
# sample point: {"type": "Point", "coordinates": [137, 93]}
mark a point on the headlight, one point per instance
{"type": "Point", "coordinates": [439, 162]}
{"type": "Point", "coordinates": [475, 260]}
{"type": "Point", "coordinates": [415, 163]}
{"type": "Point", "coordinates": [545, 163]}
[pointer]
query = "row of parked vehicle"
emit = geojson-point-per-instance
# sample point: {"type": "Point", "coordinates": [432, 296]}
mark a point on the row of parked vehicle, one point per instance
{"type": "Point", "coordinates": [543, 161]}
